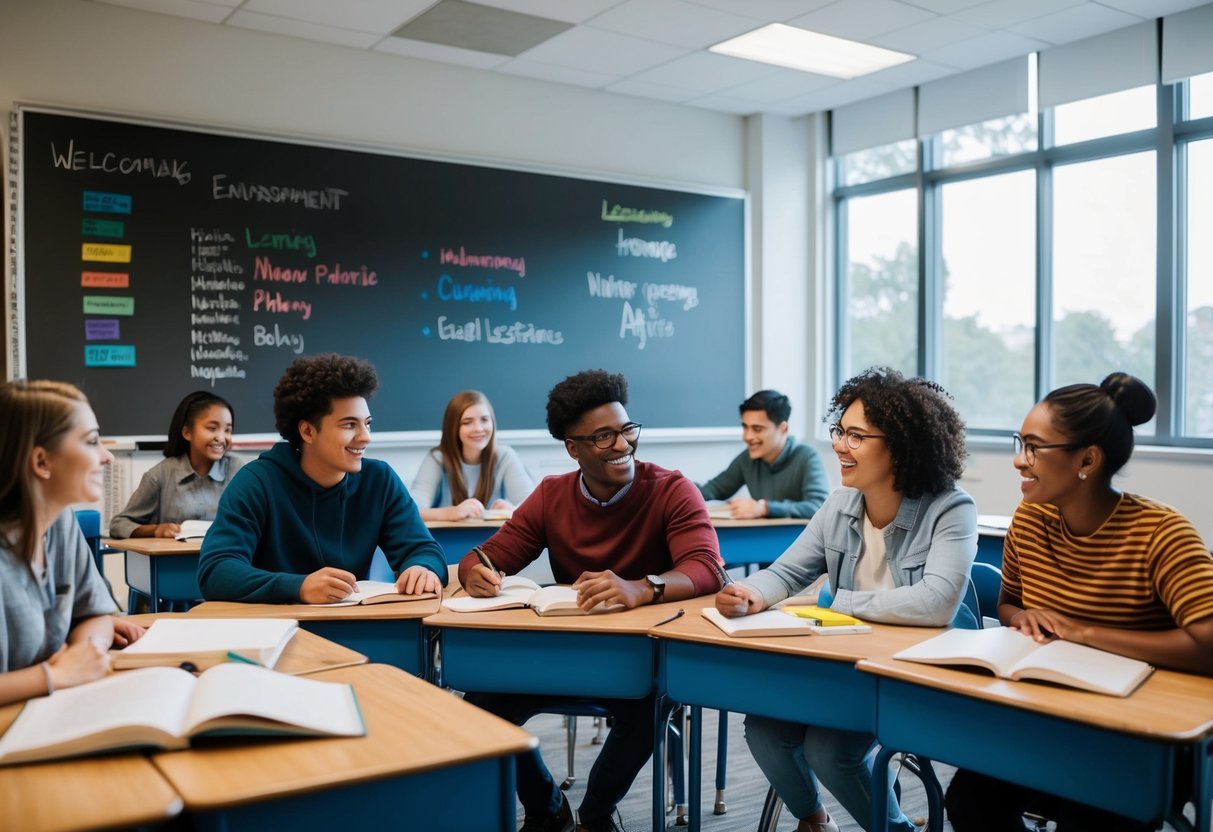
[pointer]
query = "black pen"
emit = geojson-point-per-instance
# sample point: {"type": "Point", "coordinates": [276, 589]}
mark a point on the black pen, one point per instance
{"type": "Point", "coordinates": [673, 617]}
{"type": "Point", "coordinates": [484, 559]}
{"type": "Point", "coordinates": [725, 577]}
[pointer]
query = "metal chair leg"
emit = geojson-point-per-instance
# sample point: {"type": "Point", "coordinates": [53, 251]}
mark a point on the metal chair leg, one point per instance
{"type": "Point", "coordinates": [771, 809]}
{"type": "Point", "coordinates": [570, 723]}
{"type": "Point", "coordinates": [722, 761]}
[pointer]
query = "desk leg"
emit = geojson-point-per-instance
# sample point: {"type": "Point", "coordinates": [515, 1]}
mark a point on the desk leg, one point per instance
{"type": "Point", "coordinates": [695, 776]}
{"type": "Point", "coordinates": [153, 603]}
{"type": "Point", "coordinates": [659, 738]}
{"type": "Point", "coordinates": [880, 797]}
{"type": "Point", "coordinates": [1202, 793]}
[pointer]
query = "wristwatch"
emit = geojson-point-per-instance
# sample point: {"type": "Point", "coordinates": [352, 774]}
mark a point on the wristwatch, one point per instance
{"type": "Point", "coordinates": [658, 586]}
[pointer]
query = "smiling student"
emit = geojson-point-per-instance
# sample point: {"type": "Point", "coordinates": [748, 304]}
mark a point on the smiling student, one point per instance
{"type": "Point", "coordinates": [187, 484]}
{"type": "Point", "coordinates": [623, 532]}
{"type": "Point", "coordinates": [468, 472]}
{"type": "Point", "coordinates": [784, 478]}
{"type": "Point", "coordinates": [301, 522]}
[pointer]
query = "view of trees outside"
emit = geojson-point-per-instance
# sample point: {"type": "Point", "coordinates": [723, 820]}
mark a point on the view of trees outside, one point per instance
{"type": "Point", "coordinates": [1104, 273]}
{"type": "Point", "coordinates": [1105, 115]}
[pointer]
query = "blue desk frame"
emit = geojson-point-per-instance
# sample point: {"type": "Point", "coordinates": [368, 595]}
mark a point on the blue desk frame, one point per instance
{"type": "Point", "coordinates": [163, 578]}
{"type": "Point", "coordinates": [746, 542]}
{"type": "Point", "coordinates": [458, 538]}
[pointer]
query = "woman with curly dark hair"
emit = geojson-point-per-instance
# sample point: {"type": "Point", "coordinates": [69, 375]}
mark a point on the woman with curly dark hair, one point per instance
{"type": "Point", "coordinates": [897, 541]}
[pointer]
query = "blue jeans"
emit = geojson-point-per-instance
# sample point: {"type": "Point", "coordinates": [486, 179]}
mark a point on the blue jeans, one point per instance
{"type": "Point", "coordinates": [793, 756]}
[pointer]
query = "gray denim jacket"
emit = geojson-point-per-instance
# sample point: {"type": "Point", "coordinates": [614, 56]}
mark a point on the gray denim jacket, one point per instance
{"type": "Point", "coordinates": [931, 545]}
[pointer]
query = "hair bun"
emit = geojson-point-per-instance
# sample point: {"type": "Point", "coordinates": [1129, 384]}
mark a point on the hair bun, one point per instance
{"type": "Point", "coordinates": [1134, 398]}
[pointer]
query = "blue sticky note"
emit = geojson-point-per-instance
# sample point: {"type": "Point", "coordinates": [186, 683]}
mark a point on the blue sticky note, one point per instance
{"type": "Point", "coordinates": [109, 355]}
{"type": "Point", "coordinates": [101, 329]}
{"type": "Point", "coordinates": [100, 202]}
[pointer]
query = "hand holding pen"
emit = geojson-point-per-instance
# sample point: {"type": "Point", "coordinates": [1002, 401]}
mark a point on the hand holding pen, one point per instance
{"type": "Point", "coordinates": [735, 600]}
{"type": "Point", "coordinates": [484, 581]}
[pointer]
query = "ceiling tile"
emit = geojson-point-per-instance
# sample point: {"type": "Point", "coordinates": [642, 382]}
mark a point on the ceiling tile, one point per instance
{"type": "Point", "coordinates": [300, 29]}
{"type": "Point", "coordinates": [440, 53]}
{"type": "Point", "coordinates": [379, 16]}
{"type": "Point", "coordinates": [192, 9]}
{"type": "Point", "coordinates": [1150, 9]}
{"type": "Point", "coordinates": [609, 53]}
{"type": "Point", "coordinates": [985, 49]}
{"type": "Point", "coordinates": [781, 84]}
{"type": "Point", "coordinates": [929, 35]}
{"type": "Point", "coordinates": [1075, 24]}
{"type": "Point", "coordinates": [1000, 13]}
{"type": "Point", "coordinates": [950, 6]}
{"type": "Point", "coordinates": [859, 19]}
{"type": "Point", "coordinates": [466, 25]}
{"type": "Point", "coordinates": [768, 11]}
{"type": "Point", "coordinates": [560, 74]}
{"type": "Point", "coordinates": [570, 11]}
{"type": "Point", "coordinates": [630, 86]}
{"type": "Point", "coordinates": [674, 22]}
{"type": "Point", "coordinates": [705, 72]}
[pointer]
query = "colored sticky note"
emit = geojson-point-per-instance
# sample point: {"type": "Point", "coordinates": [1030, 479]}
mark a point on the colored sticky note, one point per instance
{"type": "Point", "coordinates": [93, 227]}
{"type": "Point", "coordinates": [101, 329]}
{"type": "Point", "coordinates": [105, 280]}
{"type": "Point", "coordinates": [105, 253]}
{"type": "Point", "coordinates": [109, 355]}
{"type": "Point", "coordinates": [100, 202]}
{"type": "Point", "coordinates": [107, 305]}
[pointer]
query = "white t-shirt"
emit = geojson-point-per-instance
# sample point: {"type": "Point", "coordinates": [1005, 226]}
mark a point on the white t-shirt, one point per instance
{"type": "Point", "coordinates": [872, 569]}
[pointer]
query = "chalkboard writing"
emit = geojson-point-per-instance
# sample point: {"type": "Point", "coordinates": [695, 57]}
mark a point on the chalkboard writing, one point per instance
{"type": "Point", "coordinates": [156, 260]}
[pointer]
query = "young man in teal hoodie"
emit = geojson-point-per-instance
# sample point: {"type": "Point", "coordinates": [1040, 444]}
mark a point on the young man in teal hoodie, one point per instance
{"type": "Point", "coordinates": [301, 522]}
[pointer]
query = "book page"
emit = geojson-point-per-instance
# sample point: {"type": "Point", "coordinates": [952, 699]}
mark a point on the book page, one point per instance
{"type": "Point", "coordinates": [765, 623]}
{"type": "Point", "coordinates": [997, 650]}
{"type": "Point", "coordinates": [181, 639]}
{"type": "Point", "coordinates": [365, 591]}
{"type": "Point", "coordinates": [109, 710]}
{"type": "Point", "coordinates": [516, 592]}
{"type": "Point", "coordinates": [244, 690]}
{"type": "Point", "coordinates": [1083, 667]}
{"type": "Point", "coordinates": [193, 528]}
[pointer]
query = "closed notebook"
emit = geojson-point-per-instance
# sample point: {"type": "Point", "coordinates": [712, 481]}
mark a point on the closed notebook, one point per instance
{"type": "Point", "coordinates": [205, 642]}
{"type": "Point", "coordinates": [164, 707]}
{"type": "Point", "coordinates": [193, 529]}
{"type": "Point", "coordinates": [376, 592]}
{"type": "Point", "coordinates": [1007, 653]}
{"type": "Point", "coordinates": [777, 622]}
{"type": "Point", "coordinates": [519, 592]}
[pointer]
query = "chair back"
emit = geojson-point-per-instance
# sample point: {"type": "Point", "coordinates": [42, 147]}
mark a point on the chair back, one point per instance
{"type": "Point", "coordinates": [89, 521]}
{"type": "Point", "coordinates": [987, 580]}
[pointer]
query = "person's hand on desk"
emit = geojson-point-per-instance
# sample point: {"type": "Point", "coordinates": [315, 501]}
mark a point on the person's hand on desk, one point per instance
{"type": "Point", "coordinates": [736, 600]}
{"type": "Point", "coordinates": [471, 508]}
{"type": "Point", "coordinates": [607, 588]}
{"type": "Point", "coordinates": [126, 632]}
{"type": "Point", "coordinates": [483, 582]}
{"type": "Point", "coordinates": [326, 585]}
{"type": "Point", "coordinates": [743, 508]}
{"type": "Point", "coordinates": [75, 664]}
{"type": "Point", "coordinates": [416, 580]}
{"type": "Point", "coordinates": [159, 530]}
{"type": "Point", "coordinates": [1046, 625]}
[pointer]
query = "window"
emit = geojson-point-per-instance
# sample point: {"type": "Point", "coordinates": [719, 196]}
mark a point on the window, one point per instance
{"type": "Point", "coordinates": [988, 234]}
{"type": "Point", "coordinates": [879, 162]}
{"type": "Point", "coordinates": [1200, 96]}
{"type": "Point", "coordinates": [1198, 369]}
{"type": "Point", "coordinates": [1105, 115]}
{"type": "Point", "coordinates": [998, 137]}
{"type": "Point", "coordinates": [881, 309]}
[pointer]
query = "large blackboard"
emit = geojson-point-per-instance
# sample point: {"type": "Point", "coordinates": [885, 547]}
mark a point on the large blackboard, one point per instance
{"type": "Point", "coordinates": [154, 260]}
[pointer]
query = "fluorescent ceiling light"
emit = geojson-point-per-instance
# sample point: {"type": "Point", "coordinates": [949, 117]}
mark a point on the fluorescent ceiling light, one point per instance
{"type": "Point", "coordinates": [807, 51]}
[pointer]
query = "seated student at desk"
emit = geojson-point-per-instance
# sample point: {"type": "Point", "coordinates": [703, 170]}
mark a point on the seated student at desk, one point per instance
{"type": "Point", "coordinates": [301, 522]}
{"type": "Point", "coordinates": [187, 483]}
{"type": "Point", "coordinates": [55, 610]}
{"type": "Point", "coordinates": [468, 472]}
{"type": "Point", "coordinates": [1090, 564]}
{"type": "Point", "coordinates": [624, 532]}
{"type": "Point", "coordinates": [897, 541]}
{"type": "Point", "coordinates": [785, 479]}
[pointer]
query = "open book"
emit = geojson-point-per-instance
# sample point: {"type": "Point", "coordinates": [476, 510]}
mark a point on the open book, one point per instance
{"type": "Point", "coordinates": [497, 514]}
{"type": "Point", "coordinates": [517, 591]}
{"type": "Point", "coordinates": [1008, 653]}
{"type": "Point", "coordinates": [163, 707]}
{"type": "Point", "coordinates": [205, 642]}
{"type": "Point", "coordinates": [191, 529]}
{"type": "Point", "coordinates": [376, 592]}
{"type": "Point", "coordinates": [780, 622]}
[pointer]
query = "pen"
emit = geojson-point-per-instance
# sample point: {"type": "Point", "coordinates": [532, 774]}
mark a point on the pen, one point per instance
{"type": "Point", "coordinates": [673, 617]}
{"type": "Point", "coordinates": [484, 559]}
{"type": "Point", "coordinates": [725, 577]}
{"type": "Point", "coordinates": [236, 657]}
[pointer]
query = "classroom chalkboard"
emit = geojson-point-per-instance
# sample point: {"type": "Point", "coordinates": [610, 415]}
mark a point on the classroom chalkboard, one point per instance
{"type": "Point", "coordinates": [157, 259]}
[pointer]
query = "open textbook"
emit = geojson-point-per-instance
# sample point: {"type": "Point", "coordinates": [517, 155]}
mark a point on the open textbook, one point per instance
{"type": "Point", "coordinates": [376, 592]}
{"type": "Point", "coordinates": [788, 621]}
{"type": "Point", "coordinates": [1012, 655]}
{"type": "Point", "coordinates": [193, 529]}
{"type": "Point", "coordinates": [205, 642]}
{"type": "Point", "coordinates": [163, 707]}
{"type": "Point", "coordinates": [517, 591]}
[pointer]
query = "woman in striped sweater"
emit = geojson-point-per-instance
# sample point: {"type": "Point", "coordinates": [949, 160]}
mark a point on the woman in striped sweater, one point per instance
{"type": "Point", "coordinates": [1087, 563]}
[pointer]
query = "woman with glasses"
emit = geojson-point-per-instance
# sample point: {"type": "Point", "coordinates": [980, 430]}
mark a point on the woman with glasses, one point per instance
{"type": "Point", "coordinates": [1087, 563]}
{"type": "Point", "coordinates": [468, 472]}
{"type": "Point", "coordinates": [897, 542]}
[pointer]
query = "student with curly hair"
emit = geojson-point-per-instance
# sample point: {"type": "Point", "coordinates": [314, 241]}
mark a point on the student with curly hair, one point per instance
{"type": "Point", "coordinates": [1087, 563]}
{"type": "Point", "coordinates": [301, 522]}
{"type": "Point", "coordinates": [621, 531]}
{"type": "Point", "coordinates": [468, 472]}
{"type": "Point", "coordinates": [187, 484]}
{"type": "Point", "coordinates": [897, 542]}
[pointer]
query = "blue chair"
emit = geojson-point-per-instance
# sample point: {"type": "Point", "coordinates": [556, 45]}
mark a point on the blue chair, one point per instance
{"type": "Point", "coordinates": [987, 581]}
{"type": "Point", "coordinates": [89, 521]}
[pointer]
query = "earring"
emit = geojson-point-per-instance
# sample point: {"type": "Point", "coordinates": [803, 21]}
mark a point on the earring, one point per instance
{"type": "Point", "coordinates": [1082, 475]}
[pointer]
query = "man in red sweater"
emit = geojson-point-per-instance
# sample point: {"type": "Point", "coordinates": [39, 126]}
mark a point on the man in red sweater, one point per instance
{"type": "Point", "coordinates": [622, 532]}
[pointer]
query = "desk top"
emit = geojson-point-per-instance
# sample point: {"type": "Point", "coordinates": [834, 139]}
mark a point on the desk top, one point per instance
{"type": "Point", "coordinates": [470, 523]}
{"type": "Point", "coordinates": [156, 545]}
{"type": "Point", "coordinates": [80, 794]}
{"type": "Point", "coordinates": [758, 522]}
{"type": "Point", "coordinates": [1168, 705]}
{"type": "Point", "coordinates": [412, 727]}
{"type": "Point", "coordinates": [884, 640]}
{"type": "Point", "coordinates": [636, 621]}
{"type": "Point", "coordinates": [316, 612]}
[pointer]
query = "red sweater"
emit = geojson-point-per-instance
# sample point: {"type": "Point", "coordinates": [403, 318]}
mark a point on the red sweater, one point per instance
{"type": "Point", "coordinates": [660, 524]}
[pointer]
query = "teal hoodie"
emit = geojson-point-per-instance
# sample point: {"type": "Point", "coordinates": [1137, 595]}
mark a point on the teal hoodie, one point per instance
{"type": "Point", "coordinates": [275, 526]}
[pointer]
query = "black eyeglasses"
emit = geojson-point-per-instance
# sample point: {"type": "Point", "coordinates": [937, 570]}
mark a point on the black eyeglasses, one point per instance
{"type": "Point", "coordinates": [854, 438]}
{"type": "Point", "coordinates": [1029, 449]}
{"type": "Point", "coordinates": [606, 437]}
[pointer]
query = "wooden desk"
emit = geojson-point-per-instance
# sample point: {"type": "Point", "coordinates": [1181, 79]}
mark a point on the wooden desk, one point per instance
{"type": "Point", "coordinates": [1119, 754]}
{"type": "Point", "coordinates": [95, 793]}
{"type": "Point", "coordinates": [746, 542]}
{"type": "Point", "coordinates": [425, 753]}
{"type": "Point", "coordinates": [386, 633]}
{"type": "Point", "coordinates": [458, 537]}
{"type": "Point", "coordinates": [305, 653]}
{"type": "Point", "coordinates": [810, 679]}
{"type": "Point", "coordinates": [161, 568]}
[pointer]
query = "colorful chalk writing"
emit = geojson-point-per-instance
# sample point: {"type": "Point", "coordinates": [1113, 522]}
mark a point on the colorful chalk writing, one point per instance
{"type": "Point", "coordinates": [99, 202]}
{"type": "Point", "coordinates": [93, 227]}
{"type": "Point", "coordinates": [620, 213]}
{"type": "Point", "coordinates": [109, 355]}
{"type": "Point", "coordinates": [105, 280]}
{"type": "Point", "coordinates": [101, 329]}
{"type": "Point", "coordinates": [105, 253]}
{"type": "Point", "coordinates": [108, 305]}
